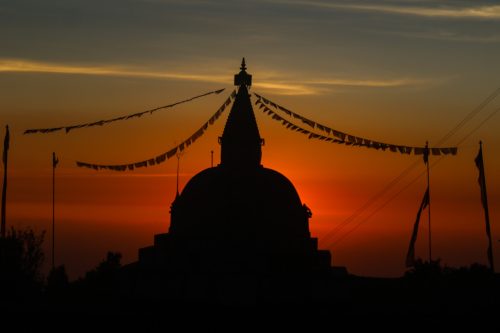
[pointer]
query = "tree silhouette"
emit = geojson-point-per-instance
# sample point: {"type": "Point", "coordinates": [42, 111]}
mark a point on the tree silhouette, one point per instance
{"type": "Point", "coordinates": [102, 282]}
{"type": "Point", "coordinates": [425, 269]}
{"type": "Point", "coordinates": [21, 259]}
{"type": "Point", "coordinates": [57, 282]}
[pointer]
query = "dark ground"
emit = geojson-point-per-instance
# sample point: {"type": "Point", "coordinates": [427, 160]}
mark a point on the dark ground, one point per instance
{"type": "Point", "coordinates": [404, 304]}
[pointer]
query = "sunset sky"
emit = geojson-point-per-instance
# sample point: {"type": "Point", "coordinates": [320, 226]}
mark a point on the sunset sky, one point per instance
{"type": "Point", "coordinates": [401, 72]}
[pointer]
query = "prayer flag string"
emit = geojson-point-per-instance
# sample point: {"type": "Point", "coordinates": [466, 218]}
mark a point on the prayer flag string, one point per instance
{"type": "Point", "coordinates": [166, 155]}
{"type": "Point", "coordinates": [107, 121]}
{"type": "Point", "coordinates": [339, 137]}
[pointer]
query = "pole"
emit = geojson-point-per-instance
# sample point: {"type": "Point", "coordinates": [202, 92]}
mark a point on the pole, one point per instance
{"type": "Point", "coordinates": [178, 162]}
{"type": "Point", "coordinates": [4, 187]}
{"type": "Point", "coordinates": [429, 194]}
{"type": "Point", "coordinates": [484, 197]}
{"type": "Point", "coordinates": [212, 158]}
{"type": "Point", "coordinates": [4, 198]}
{"type": "Point", "coordinates": [53, 208]}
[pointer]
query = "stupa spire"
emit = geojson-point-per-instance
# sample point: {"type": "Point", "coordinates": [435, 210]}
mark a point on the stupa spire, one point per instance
{"type": "Point", "coordinates": [240, 141]}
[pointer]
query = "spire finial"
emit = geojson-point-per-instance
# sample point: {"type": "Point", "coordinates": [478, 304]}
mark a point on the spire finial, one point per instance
{"type": "Point", "coordinates": [243, 78]}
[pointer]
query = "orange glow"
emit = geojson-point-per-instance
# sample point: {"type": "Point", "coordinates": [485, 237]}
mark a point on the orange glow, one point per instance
{"type": "Point", "coordinates": [100, 211]}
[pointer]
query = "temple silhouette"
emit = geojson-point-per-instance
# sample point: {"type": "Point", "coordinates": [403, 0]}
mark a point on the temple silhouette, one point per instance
{"type": "Point", "coordinates": [239, 235]}
{"type": "Point", "coordinates": [239, 231]}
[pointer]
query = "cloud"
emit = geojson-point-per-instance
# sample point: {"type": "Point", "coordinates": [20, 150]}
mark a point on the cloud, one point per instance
{"type": "Point", "coordinates": [476, 12]}
{"type": "Point", "coordinates": [287, 88]}
{"type": "Point", "coordinates": [369, 83]}
{"type": "Point", "coordinates": [14, 65]}
{"type": "Point", "coordinates": [275, 82]}
{"type": "Point", "coordinates": [443, 35]}
{"type": "Point", "coordinates": [23, 66]}
{"type": "Point", "coordinates": [316, 86]}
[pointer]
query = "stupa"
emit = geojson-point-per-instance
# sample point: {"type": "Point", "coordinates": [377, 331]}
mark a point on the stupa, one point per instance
{"type": "Point", "coordinates": [237, 221]}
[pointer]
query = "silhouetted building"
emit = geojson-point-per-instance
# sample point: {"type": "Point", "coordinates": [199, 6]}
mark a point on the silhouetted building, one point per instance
{"type": "Point", "coordinates": [236, 228]}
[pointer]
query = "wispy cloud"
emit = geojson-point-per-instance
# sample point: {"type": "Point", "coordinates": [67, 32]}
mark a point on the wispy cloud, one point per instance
{"type": "Point", "coordinates": [287, 88]}
{"type": "Point", "coordinates": [15, 65]}
{"type": "Point", "coordinates": [476, 11]}
{"type": "Point", "coordinates": [370, 83]}
{"type": "Point", "coordinates": [443, 35]}
{"type": "Point", "coordinates": [274, 82]}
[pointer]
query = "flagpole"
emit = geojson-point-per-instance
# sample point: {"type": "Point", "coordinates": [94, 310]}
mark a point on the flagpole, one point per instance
{"type": "Point", "coordinates": [429, 194]}
{"type": "Point", "coordinates": [484, 198]}
{"type": "Point", "coordinates": [4, 187]}
{"type": "Point", "coordinates": [53, 207]}
{"type": "Point", "coordinates": [177, 182]}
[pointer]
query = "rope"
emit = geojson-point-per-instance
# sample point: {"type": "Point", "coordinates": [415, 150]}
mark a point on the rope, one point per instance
{"type": "Point", "coordinates": [453, 131]}
{"type": "Point", "coordinates": [107, 121]}
{"type": "Point", "coordinates": [341, 137]}
{"type": "Point", "coordinates": [166, 155]}
{"type": "Point", "coordinates": [396, 180]}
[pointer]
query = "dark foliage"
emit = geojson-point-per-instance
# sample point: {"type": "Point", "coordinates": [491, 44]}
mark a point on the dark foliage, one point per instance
{"type": "Point", "coordinates": [425, 270]}
{"type": "Point", "coordinates": [101, 283]}
{"type": "Point", "coordinates": [57, 283]}
{"type": "Point", "coordinates": [21, 258]}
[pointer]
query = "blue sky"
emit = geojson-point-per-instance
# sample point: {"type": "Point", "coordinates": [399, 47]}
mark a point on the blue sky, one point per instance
{"type": "Point", "coordinates": [310, 46]}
